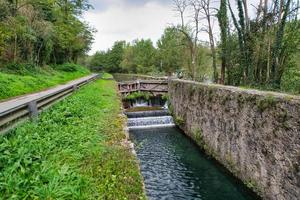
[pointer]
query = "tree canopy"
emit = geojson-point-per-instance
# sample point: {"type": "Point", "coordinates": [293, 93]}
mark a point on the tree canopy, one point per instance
{"type": "Point", "coordinates": [43, 31]}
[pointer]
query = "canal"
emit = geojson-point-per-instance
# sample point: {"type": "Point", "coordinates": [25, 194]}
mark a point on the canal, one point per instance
{"type": "Point", "coordinates": [173, 167]}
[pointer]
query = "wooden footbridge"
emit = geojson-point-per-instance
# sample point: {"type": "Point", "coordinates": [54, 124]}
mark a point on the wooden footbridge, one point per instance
{"type": "Point", "coordinates": [155, 87]}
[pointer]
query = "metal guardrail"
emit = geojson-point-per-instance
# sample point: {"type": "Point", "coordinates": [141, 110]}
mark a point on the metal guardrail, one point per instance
{"type": "Point", "coordinates": [14, 111]}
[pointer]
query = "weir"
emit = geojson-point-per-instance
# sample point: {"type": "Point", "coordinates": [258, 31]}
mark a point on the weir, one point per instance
{"type": "Point", "coordinates": [149, 119]}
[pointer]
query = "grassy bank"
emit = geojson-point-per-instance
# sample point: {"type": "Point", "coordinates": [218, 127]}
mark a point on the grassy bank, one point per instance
{"type": "Point", "coordinates": [75, 150]}
{"type": "Point", "coordinates": [16, 81]}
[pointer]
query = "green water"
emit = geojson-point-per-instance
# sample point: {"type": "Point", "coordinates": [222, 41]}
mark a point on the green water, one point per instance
{"type": "Point", "coordinates": [173, 167]}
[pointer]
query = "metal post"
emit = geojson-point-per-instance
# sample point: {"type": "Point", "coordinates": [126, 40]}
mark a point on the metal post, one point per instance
{"type": "Point", "coordinates": [33, 110]}
{"type": "Point", "coordinates": [75, 87]}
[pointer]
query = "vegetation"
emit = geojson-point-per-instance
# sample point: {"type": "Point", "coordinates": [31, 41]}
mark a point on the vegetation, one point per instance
{"type": "Point", "coordinates": [141, 108]}
{"type": "Point", "coordinates": [42, 32]}
{"type": "Point", "coordinates": [141, 57]}
{"type": "Point", "coordinates": [137, 95]}
{"type": "Point", "coordinates": [257, 50]}
{"type": "Point", "coordinates": [22, 79]}
{"type": "Point", "coordinates": [71, 151]}
{"type": "Point", "coordinates": [107, 76]}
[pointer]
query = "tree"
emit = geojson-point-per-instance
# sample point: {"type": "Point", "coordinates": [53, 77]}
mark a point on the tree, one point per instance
{"type": "Point", "coordinates": [223, 24]}
{"type": "Point", "coordinates": [190, 32]}
{"type": "Point", "coordinates": [170, 50]}
{"type": "Point", "coordinates": [40, 32]}
{"type": "Point", "coordinates": [206, 10]}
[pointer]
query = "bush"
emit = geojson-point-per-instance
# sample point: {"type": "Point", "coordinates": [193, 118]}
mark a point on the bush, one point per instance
{"type": "Point", "coordinates": [20, 68]}
{"type": "Point", "coordinates": [67, 67]}
{"type": "Point", "coordinates": [290, 81]}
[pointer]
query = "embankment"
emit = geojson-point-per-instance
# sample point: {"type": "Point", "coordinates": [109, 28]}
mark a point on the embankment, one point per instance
{"type": "Point", "coordinates": [254, 134]}
{"type": "Point", "coordinates": [77, 149]}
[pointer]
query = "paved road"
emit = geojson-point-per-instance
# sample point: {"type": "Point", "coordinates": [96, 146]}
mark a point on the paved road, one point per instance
{"type": "Point", "coordinates": [12, 104]}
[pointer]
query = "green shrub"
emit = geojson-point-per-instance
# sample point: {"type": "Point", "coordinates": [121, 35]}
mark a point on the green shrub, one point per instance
{"type": "Point", "coordinates": [290, 81]}
{"type": "Point", "coordinates": [68, 67]}
{"type": "Point", "coordinates": [137, 95]}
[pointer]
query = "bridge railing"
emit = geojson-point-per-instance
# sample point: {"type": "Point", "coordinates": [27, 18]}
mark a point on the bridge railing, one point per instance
{"type": "Point", "coordinates": [14, 111]}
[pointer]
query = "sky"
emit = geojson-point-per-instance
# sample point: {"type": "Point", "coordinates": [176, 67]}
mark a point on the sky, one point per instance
{"type": "Point", "coordinates": [128, 20]}
{"type": "Point", "coordinates": [131, 19]}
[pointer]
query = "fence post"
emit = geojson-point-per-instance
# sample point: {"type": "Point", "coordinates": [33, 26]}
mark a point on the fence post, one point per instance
{"type": "Point", "coordinates": [33, 110]}
{"type": "Point", "coordinates": [75, 87]}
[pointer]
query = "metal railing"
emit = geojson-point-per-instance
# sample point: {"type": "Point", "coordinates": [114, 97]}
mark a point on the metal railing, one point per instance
{"type": "Point", "coordinates": [14, 111]}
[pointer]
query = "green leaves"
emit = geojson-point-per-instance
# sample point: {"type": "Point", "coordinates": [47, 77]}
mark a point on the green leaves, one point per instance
{"type": "Point", "coordinates": [43, 32]}
{"type": "Point", "coordinates": [73, 151]}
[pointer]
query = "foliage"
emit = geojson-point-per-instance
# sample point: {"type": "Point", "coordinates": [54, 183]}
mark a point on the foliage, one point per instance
{"type": "Point", "coordinates": [43, 32]}
{"type": "Point", "coordinates": [71, 152]}
{"type": "Point", "coordinates": [138, 95]}
{"type": "Point", "coordinates": [107, 76]}
{"type": "Point", "coordinates": [139, 57]}
{"type": "Point", "coordinates": [291, 80]}
{"type": "Point", "coordinates": [19, 79]}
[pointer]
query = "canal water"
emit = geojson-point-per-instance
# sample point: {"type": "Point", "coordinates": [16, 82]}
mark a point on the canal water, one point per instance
{"type": "Point", "coordinates": [173, 167]}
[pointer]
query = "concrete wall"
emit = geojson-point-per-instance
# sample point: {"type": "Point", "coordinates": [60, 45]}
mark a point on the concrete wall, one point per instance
{"type": "Point", "coordinates": [256, 135]}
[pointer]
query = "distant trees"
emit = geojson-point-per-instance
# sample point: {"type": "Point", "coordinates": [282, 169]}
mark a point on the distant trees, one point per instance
{"type": "Point", "coordinates": [140, 56]}
{"type": "Point", "coordinates": [171, 51]}
{"type": "Point", "coordinates": [43, 32]}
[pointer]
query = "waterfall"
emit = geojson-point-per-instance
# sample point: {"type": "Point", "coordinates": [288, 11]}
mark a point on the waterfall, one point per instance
{"type": "Point", "coordinates": [149, 119]}
{"type": "Point", "coordinates": [140, 103]}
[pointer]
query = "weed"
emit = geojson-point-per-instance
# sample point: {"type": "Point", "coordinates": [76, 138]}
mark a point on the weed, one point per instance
{"type": "Point", "coordinates": [27, 80]}
{"type": "Point", "coordinates": [179, 121]}
{"type": "Point", "coordinates": [266, 102]}
{"type": "Point", "coordinates": [73, 151]}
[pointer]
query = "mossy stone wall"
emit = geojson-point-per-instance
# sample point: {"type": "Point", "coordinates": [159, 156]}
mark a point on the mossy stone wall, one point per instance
{"type": "Point", "coordinates": [255, 134]}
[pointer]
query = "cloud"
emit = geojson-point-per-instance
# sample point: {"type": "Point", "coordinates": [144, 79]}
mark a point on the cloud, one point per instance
{"type": "Point", "coordinates": [121, 20]}
{"type": "Point", "coordinates": [136, 19]}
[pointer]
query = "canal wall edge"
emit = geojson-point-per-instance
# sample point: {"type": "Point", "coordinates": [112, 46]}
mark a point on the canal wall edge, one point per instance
{"type": "Point", "coordinates": [254, 134]}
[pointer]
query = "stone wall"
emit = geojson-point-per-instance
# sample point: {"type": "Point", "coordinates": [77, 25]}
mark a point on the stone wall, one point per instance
{"type": "Point", "coordinates": [254, 134]}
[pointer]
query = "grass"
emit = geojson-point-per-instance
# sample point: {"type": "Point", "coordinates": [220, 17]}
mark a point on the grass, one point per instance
{"type": "Point", "coordinates": [14, 84]}
{"type": "Point", "coordinates": [75, 150]}
{"type": "Point", "coordinates": [107, 76]}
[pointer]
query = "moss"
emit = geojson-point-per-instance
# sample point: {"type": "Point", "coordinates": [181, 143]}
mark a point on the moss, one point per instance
{"type": "Point", "coordinates": [165, 97]}
{"type": "Point", "coordinates": [179, 121]}
{"type": "Point", "coordinates": [171, 109]}
{"type": "Point", "coordinates": [210, 93]}
{"type": "Point", "coordinates": [230, 163]}
{"type": "Point", "coordinates": [146, 108]}
{"type": "Point", "coordinates": [225, 99]}
{"type": "Point", "coordinates": [266, 103]}
{"type": "Point", "coordinates": [192, 89]}
{"type": "Point", "coordinates": [198, 137]}
{"type": "Point", "coordinates": [252, 185]}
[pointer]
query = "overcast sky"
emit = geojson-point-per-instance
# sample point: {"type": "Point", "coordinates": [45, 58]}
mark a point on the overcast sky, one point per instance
{"type": "Point", "coordinates": [129, 20]}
